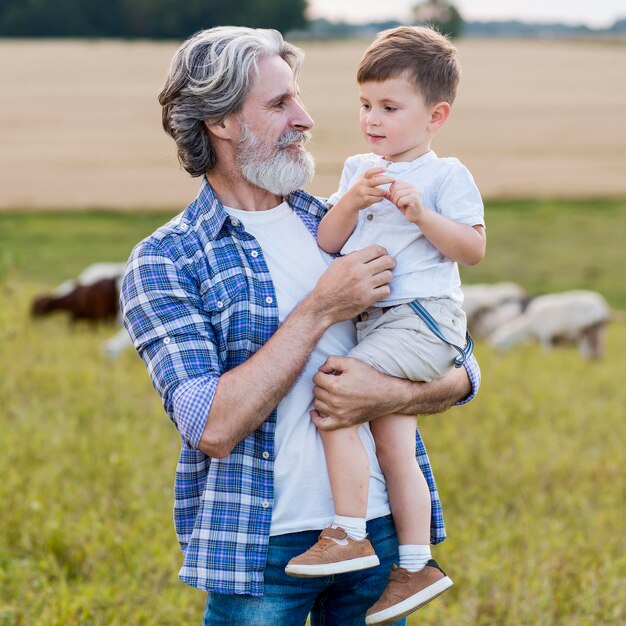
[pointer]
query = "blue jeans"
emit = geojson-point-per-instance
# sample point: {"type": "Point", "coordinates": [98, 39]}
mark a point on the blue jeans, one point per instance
{"type": "Point", "coordinates": [339, 600]}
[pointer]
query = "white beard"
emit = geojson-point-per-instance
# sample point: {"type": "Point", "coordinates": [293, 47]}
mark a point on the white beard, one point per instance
{"type": "Point", "coordinates": [277, 170]}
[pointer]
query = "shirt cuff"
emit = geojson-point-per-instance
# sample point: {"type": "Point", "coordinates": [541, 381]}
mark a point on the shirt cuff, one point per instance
{"type": "Point", "coordinates": [191, 403]}
{"type": "Point", "coordinates": [473, 371]}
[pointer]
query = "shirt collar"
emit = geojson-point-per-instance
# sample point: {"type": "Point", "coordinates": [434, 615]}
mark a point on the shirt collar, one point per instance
{"type": "Point", "coordinates": [209, 210]}
{"type": "Point", "coordinates": [402, 167]}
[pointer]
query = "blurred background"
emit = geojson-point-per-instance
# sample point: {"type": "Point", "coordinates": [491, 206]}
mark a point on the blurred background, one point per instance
{"type": "Point", "coordinates": [531, 473]}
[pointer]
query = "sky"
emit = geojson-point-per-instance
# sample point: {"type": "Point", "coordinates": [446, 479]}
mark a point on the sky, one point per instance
{"type": "Point", "coordinates": [596, 13]}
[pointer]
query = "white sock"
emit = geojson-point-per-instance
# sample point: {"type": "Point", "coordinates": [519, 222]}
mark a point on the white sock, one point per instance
{"type": "Point", "coordinates": [414, 557]}
{"type": "Point", "coordinates": [354, 526]}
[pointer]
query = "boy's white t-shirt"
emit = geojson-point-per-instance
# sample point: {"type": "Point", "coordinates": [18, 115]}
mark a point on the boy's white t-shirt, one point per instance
{"type": "Point", "coordinates": [302, 493]}
{"type": "Point", "coordinates": [446, 186]}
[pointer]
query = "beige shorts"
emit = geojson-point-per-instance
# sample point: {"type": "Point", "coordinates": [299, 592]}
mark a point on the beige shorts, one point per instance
{"type": "Point", "coordinates": [398, 342]}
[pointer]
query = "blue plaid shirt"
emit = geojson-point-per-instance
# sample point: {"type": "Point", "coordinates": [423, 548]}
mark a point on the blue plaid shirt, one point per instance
{"type": "Point", "coordinates": [198, 300]}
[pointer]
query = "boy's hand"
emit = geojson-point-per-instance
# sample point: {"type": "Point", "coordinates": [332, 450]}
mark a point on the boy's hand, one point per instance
{"type": "Point", "coordinates": [366, 191]}
{"type": "Point", "coordinates": [406, 197]}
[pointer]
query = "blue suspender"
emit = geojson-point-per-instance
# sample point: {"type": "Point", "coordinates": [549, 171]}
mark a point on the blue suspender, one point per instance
{"type": "Point", "coordinates": [464, 353]}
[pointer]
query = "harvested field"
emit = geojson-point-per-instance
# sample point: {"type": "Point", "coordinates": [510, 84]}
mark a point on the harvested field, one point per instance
{"type": "Point", "coordinates": [80, 124]}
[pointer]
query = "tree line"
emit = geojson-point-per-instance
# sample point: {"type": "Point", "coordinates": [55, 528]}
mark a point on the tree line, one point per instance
{"type": "Point", "coordinates": [153, 19]}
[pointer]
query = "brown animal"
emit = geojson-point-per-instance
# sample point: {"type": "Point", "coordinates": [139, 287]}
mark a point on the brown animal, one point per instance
{"type": "Point", "coordinates": [97, 301]}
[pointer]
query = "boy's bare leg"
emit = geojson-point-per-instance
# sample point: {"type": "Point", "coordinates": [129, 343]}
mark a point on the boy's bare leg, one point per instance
{"type": "Point", "coordinates": [419, 579]}
{"type": "Point", "coordinates": [408, 491]}
{"type": "Point", "coordinates": [343, 546]}
{"type": "Point", "coordinates": [348, 471]}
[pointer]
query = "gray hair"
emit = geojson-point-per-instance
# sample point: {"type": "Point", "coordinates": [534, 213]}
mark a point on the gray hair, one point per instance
{"type": "Point", "coordinates": [209, 79]}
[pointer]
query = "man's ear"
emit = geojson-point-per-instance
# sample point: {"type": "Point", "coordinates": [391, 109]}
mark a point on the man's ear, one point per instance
{"type": "Point", "coordinates": [223, 129]}
{"type": "Point", "coordinates": [439, 113]}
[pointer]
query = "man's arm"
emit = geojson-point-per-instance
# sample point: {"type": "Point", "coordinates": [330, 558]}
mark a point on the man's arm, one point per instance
{"type": "Point", "coordinates": [348, 392]}
{"type": "Point", "coordinates": [247, 394]}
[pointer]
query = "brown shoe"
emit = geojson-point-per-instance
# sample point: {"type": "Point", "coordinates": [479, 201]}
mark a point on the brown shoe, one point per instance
{"type": "Point", "coordinates": [334, 553]}
{"type": "Point", "coordinates": [406, 592]}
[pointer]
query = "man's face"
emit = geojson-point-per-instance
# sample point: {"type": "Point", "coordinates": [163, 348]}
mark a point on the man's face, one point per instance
{"type": "Point", "coordinates": [273, 129]}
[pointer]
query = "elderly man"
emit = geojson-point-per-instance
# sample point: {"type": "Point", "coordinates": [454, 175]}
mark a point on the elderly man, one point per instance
{"type": "Point", "coordinates": [236, 313]}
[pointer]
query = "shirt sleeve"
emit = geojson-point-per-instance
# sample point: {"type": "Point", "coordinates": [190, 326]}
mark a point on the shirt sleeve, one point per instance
{"type": "Point", "coordinates": [473, 372]}
{"type": "Point", "coordinates": [162, 312]}
{"type": "Point", "coordinates": [458, 197]}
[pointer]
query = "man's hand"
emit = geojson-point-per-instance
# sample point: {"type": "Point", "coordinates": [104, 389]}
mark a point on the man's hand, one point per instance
{"type": "Point", "coordinates": [367, 191]}
{"type": "Point", "coordinates": [406, 197]}
{"type": "Point", "coordinates": [348, 392]}
{"type": "Point", "coordinates": [352, 284]}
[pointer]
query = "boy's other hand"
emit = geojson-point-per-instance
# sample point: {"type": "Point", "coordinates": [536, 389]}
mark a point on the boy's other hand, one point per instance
{"type": "Point", "coordinates": [406, 197]}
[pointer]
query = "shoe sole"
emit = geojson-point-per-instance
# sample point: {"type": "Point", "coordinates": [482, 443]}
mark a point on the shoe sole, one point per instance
{"type": "Point", "coordinates": [328, 569]}
{"type": "Point", "coordinates": [411, 604]}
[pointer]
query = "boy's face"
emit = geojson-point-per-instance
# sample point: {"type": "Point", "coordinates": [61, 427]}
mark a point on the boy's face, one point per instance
{"type": "Point", "coordinates": [395, 121]}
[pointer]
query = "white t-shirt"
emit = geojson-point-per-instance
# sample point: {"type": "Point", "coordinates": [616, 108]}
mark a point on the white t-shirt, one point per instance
{"type": "Point", "coordinates": [446, 186]}
{"type": "Point", "coordinates": [302, 493]}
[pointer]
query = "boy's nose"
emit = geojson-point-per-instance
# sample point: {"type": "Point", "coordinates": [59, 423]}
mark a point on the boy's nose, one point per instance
{"type": "Point", "coordinates": [373, 119]}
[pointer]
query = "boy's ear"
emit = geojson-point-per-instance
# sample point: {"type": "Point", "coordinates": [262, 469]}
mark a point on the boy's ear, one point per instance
{"type": "Point", "coordinates": [439, 113]}
{"type": "Point", "coordinates": [223, 129]}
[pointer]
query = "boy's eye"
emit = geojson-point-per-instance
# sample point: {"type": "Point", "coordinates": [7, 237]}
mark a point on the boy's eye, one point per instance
{"type": "Point", "coordinates": [365, 106]}
{"type": "Point", "coordinates": [390, 108]}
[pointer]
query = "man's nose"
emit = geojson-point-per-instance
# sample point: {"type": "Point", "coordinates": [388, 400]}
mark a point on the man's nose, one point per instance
{"type": "Point", "coordinates": [301, 120]}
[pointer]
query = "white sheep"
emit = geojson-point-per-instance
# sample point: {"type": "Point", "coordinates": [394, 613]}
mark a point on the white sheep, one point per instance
{"type": "Point", "coordinates": [488, 306]}
{"type": "Point", "coordinates": [571, 317]}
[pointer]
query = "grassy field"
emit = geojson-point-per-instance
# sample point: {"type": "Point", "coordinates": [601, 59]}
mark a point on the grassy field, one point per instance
{"type": "Point", "coordinates": [531, 473]}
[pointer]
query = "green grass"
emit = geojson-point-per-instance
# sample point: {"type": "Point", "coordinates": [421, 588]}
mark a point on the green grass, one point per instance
{"type": "Point", "coordinates": [530, 473]}
{"type": "Point", "coordinates": [54, 246]}
{"type": "Point", "coordinates": [544, 245]}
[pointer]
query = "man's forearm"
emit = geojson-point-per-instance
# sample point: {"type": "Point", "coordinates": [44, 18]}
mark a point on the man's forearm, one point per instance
{"type": "Point", "coordinates": [247, 394]}
{"type": "Point", "coordinates": [418, 398]}
{"type": "Point", "coordinates": [348, 392]}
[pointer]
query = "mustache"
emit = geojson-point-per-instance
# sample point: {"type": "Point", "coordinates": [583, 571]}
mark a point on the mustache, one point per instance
{"type": "Point", "coordinates": [290, 137]}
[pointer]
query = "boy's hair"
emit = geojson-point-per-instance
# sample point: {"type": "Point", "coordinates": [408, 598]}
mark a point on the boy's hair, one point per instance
{"type": "Point", "coordinates": [422, 55]}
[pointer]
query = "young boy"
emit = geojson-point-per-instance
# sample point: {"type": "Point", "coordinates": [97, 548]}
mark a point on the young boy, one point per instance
{"type": "Point", "coordinates": [427, 212]}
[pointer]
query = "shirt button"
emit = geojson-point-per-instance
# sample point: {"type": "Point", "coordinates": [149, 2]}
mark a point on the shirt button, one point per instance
{"type": "Point", "coordinates": [220, 304]}
{"type": "Point", "coordinates": [266, 455]}
{"type": "Point", "coordinates": [269, 299]}
{"type": "Point", "coordinates": [265, 504]}
{"type": "Point", "coordinates": [370, 217]}
{"type": "Point", "coordinates": [234, 221]}
{"type": "Point", "coordinates": [166, 340]}
{"type": "Point", "coordinates": [254, 254]}
{"type": "Point", "coordinates": [183, 226]}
